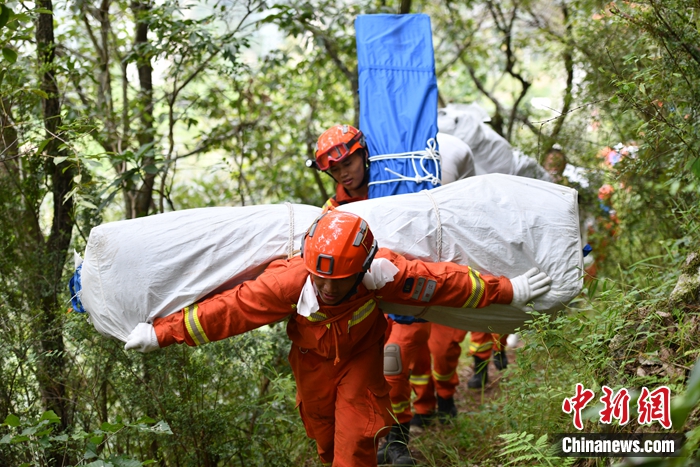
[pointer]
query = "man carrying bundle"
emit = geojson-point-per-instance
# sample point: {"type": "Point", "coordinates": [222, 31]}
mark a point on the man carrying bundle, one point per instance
{"type": "Point", "coordinates": [331, 296]}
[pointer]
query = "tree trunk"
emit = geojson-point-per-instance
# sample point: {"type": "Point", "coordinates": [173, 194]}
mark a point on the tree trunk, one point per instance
{"type": "Point", "coordinates": [145, 134]}
{"type": "Point", "coordinates": [61, 179]}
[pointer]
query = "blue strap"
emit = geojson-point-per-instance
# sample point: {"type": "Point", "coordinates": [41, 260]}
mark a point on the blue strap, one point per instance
{"type": "Point", "coordinates": [75, 287]}
{"type": "Point", "coordinates": [402, 319]}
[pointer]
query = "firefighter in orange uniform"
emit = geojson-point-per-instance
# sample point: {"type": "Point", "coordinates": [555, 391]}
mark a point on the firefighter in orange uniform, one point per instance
{"type": "Point", "coordinates": [341, 152]}
{"type": "Point", "coordinates": [435, 382]}
{"type": "Point", "coordinates": [482, 346]}
{"type": "Point", "coordinates": [330, 295]}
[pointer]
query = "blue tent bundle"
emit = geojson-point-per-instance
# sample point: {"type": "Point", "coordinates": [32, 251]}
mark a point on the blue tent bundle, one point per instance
{"type": "Point", "coordinates": [398, 102]}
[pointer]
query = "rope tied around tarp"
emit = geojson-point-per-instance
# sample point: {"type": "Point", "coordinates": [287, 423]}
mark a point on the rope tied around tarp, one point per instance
{"type": "Point", "coordinates": [417, 160]}
{"type": "Point", "coordinates": [439, 224]}
{"type": "Point", "coordinates": [290, 242]}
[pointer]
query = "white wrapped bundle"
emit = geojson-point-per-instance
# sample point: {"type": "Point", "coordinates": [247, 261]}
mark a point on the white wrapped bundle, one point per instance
{"type": "Point", "coordinates": [495, 223]}
{"type": "Point", "coordinates": [150, 267]}
{"type": "Point", "coordinates": [153, 266]}
{"type": "Point", "coordinates": [526, 166]}
{"type": "Point", "coordinates": [456, 159]}
{"type": "Point", "coordinates": [492, 153]}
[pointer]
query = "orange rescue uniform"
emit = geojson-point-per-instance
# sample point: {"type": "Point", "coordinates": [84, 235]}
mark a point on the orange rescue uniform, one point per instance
{"type": "Point", "coordinates": [341, 197]}
{"type": "Point", "coordinates": [482, 343]}
{"type": "Point", "coordinates": [444, 344]}
{"type": "Point", "coordinates": [337, 352]}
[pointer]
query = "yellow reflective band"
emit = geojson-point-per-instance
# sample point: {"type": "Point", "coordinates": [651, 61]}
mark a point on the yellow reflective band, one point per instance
{"type": "Point", "coordinates": [478, 287]}
{"type": "Point", "coordinates": [194, 327]}
{"type": "Point", "coordinates": [419, 380]}
{"type": "Point", "coordinates": [363, 312]}
{"type": "Point", "coordinates": [317, 316]}
{"type": "Point", "coordinates": [476, 348]}
{"type": "Point", "coordinates": [328, 205]}
{"type": "Point", "coordinates": [401, 406]}
{"type": "Point", "coordinates": [439, 377]}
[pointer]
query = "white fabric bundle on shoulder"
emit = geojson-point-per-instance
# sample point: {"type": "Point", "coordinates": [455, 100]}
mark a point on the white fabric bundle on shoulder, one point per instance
{"type": "Point", "coordinates": [492, 153]}
{"type": "Point", "coordinates": [500, 224]}
{"type": "Point", "coordinates": [139, 269]}
{"type": "Point", "coordinates": [456, 158]}
{"type": "Point", "coordinates": [526, 166]}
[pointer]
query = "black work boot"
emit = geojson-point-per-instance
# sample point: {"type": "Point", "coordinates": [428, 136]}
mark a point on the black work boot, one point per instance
{"type": "Point", "coordinates": [446, 409]}
{"type": "Point", "coordinates": [500, 360]}
{"type": "Point", "coordinates": [422, 420]}
{"type": "Point", "coordinates": [481, 374]}
{"type": "Point", "coordinates": [395, 451]}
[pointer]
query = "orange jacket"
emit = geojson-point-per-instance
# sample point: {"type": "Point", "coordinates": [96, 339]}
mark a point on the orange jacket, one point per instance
{"type": "Point", "coordinates": [333, 331]}
{"type": "Point", "coordinates": [341, 197]}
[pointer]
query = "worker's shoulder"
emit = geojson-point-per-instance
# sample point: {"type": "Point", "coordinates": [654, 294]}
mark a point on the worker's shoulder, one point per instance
{"type": "Point", "coordinates": [391, 255]}
{"type": "Point", "coordinates": [286, 277]}
{"type": "Point", "coordinates": [294, 265]}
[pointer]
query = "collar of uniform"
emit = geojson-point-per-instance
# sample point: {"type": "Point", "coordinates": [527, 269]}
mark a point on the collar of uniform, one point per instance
{"type": "Point", "coordinates": [380, 273]}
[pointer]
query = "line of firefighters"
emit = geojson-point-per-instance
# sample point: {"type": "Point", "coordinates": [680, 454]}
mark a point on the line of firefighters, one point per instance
{"type": "Point", "coordinates": [341, 341]}
{"type": "Point", "coordinates": [418, 356]}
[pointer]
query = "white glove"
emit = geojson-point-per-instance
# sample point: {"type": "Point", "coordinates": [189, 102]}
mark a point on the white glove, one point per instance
{"type": "Point", "coordinates": [528, 286]}
{"type": "Point", "coordinates": [142, 338]}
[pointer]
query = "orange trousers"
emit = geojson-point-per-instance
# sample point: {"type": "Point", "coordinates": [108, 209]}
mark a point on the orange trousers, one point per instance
{"type": "Point", "coordinates": [344, 407]}
{"type": "Point", "coordinates": [444, 347]}
{"type": "Point", "coordinates": [483, 342]}
{"type": "Point", "coordinates": [412, 339]}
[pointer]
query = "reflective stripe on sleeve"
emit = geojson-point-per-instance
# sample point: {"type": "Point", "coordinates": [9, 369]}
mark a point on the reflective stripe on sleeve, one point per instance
{"type": "Point", "coordinates": [478, 287]}
{"type": "Point", "coordinates": [194, 327]}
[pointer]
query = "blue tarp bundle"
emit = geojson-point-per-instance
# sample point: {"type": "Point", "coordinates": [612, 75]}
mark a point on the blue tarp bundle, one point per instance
{"type": "Point", "coordinates": [398, 97]}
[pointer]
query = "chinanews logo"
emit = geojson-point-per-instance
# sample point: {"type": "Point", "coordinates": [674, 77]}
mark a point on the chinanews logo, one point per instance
{"type": "Point", "coordinates": [652, 407]}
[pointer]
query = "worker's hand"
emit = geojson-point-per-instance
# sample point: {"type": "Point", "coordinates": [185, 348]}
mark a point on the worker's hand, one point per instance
{"type": "Point", "coordinates": [142, 338]}
{"type": "Point", "coordinates": [529, 286]}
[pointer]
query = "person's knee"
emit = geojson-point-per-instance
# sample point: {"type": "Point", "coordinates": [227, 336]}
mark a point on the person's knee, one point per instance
{"type": "Point", "coordinates": [392, 360]}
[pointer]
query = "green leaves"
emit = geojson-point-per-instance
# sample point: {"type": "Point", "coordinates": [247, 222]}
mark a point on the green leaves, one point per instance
{"type": "Point", "coordinates": [4, 15]}
{"type": "Point", "coordinates": [9, 55]}
{"type": "Point", "coordinates": [11, 420]}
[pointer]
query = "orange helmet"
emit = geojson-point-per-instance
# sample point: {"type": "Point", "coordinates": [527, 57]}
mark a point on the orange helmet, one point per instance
{"type": "Point", "coordinates": [336, 143]}
{"type": "Point", "coordinates": [338, 244]}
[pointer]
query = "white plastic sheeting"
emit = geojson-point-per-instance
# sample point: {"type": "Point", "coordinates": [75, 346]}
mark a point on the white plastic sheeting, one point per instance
{"type": "Point", "coordinates": [492, 153]}
{"type": "Point", "coordinates": [138, 269]}
{"type": "Point", "coordinates": [456, 158]}
{"type": "Point", "coordinates": [526, 166]}
{"type": "Point", "coordinates": [496, 223]}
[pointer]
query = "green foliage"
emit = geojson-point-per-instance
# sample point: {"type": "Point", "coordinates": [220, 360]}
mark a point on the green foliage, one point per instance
{"type": "Point", "coordinates": [522, 450]}
{"type": "Point", "coordinates": [28, 442]}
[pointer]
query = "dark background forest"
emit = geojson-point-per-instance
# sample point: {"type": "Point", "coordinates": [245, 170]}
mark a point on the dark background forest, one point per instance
{"type": "Point", "coordinates": [114, 110]}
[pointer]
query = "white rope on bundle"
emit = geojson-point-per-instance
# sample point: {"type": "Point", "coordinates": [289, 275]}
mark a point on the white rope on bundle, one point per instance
{"type": "Point", "coordinates": [290, 242]}
{"type": "Point", "coordinates": [417, 160]}
{"type": "Point", "coordinates": [439, 224]}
